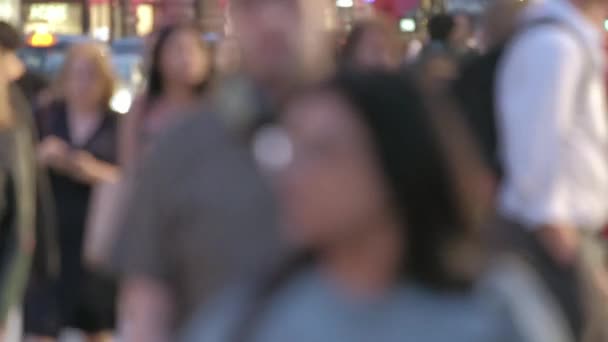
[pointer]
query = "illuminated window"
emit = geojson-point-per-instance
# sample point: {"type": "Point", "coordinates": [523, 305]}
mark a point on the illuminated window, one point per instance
{"type": "Point", "coordinates": [65, 18]}
{"type": "Point", "coordinates": [100, 21]}
{"type": "Point", "coordinates": [145, 19]}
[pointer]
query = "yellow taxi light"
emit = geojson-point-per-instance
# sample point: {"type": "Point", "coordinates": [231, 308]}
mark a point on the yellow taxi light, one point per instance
{"type": "Point", "coordinates": [41, 40]}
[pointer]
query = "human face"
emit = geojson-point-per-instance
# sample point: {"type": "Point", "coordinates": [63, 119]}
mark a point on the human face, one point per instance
{"type": "Point", "coordinates": [333, 187]}
{"type": "Point", "coordinates": [184, 61]}
{"type": "Point", "coordinates": [85, 82]}
{"type": "Point", "coordinates": [12, 66]}
{"type": "Point", "coordinates": [268, 33]}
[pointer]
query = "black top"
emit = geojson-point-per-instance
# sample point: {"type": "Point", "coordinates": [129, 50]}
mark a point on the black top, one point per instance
{"type": "Point", "coordinates": [72, 197]}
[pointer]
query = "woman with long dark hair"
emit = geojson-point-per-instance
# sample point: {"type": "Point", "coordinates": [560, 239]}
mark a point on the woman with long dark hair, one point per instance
{"type": "Point", "coordinates": [179, 71]}
{"type": "Point", "coordinates": [381, 198]}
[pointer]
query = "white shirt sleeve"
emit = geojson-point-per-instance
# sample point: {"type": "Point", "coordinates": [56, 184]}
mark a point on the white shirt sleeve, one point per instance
{"type": "Point", "coordinates": [537, 90]}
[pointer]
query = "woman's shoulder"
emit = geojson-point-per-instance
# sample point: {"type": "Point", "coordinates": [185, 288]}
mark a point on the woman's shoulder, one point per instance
{"type": "Point", "coordinates": [222, 315]}
{"type": "Point", "coordinates": [463, 316]}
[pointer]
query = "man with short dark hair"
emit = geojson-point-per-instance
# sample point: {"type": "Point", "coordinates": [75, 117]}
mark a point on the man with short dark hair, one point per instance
{"type": "Point", "coordinates": [202, 214]}
{"type": "Point", "coordinates": [452, 33]}
{"type": "Point", "coordinates": [441, 27]}
{"type": "Point", "coordinates": [551, 110]}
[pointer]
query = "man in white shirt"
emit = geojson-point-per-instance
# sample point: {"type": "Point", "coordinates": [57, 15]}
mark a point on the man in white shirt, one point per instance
{"type": "Point", "coordinates": [553, 133]}
{"type": "Point", "coordinates": [553, 126]}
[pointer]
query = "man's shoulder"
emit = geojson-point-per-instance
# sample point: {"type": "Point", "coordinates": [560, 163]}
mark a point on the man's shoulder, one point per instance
{"type": "Point", "coordinates": [548, 38]}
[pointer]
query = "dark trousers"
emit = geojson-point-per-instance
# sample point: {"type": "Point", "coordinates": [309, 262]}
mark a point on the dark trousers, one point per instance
{"type": "Point", "coordinates": [563, 282]}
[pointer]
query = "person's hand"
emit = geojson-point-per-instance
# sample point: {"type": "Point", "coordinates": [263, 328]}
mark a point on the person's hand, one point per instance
{"type": "Point", "coordinates": [561, 242]}
{"type": "Point", "coordinates": [85, 166]}
{"type": "Point", "coordinates": [53, 152]}
{"type": "Point", "coordinates": [88, 169]}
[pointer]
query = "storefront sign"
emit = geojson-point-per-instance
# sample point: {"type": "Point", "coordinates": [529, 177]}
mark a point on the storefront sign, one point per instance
{"type": "Point", "coordinates": [57, 17]}
{"type": "Point", "coordinates": [48, 12]}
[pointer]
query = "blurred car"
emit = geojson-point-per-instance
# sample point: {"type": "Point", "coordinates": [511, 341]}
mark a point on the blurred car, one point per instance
{"type": "Point", "coordinates": [129, 46]}
{"type": "Point", "coordinates": [45, 52]}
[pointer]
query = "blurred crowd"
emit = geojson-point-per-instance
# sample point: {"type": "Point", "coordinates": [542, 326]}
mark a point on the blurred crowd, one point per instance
{"type": "Point", "coordinates": [286, 185]}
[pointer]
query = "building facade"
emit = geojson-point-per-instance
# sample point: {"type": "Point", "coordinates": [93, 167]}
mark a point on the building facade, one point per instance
{"type": "Point", "coordinates": [102, 19]}
{"type": "Point", "coordinates": [10, 11]}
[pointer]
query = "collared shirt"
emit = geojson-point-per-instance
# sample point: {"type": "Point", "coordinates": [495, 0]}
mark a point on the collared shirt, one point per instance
{"type": "Point", "coordinates": [552, 122]}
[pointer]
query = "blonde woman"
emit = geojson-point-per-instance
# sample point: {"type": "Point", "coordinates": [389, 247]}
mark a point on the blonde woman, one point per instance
{"type": "Point", "coordinates": [78, 146]}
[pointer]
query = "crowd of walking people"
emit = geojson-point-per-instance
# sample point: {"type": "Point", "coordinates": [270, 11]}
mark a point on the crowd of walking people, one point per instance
{"type": "Point", "coordinates": [455, 192]}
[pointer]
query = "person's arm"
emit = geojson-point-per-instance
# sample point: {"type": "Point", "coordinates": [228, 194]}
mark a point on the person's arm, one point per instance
{"type": "Point", "coordinates": [90, 170]}
{"type": "Point", "coordinates": [143, 252]}
{"type": "Point", "coordinates": [80, 165]}
{"type": "Point", "coordinates": [145, 310]}
{"type": "Point", "coordinates": [537, 90]}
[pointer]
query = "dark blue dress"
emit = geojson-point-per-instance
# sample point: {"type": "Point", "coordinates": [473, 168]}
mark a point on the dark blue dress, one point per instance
{"type": "Point", "coordinates": [80, 299]}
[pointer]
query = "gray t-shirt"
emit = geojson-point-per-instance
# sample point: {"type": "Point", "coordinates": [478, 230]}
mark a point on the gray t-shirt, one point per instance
{"type": "Point", "coordinates": [200, 215]}
{"type": "Point", "coordinates": [309, 309]}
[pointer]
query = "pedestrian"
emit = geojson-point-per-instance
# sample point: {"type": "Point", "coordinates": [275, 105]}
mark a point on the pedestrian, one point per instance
{"type": "Point", "coordinates": [79, 146]}
{"type": "Point", "coordinates": [179, 73]}
{"type": "Point", "coordinates": [453, 33]}
{"type": "Point", "coordinates": [370, 45]}
{"type": "Point", "coordinates": [498, 24]}
{"type": "Point", "coordinates": [201, 214]}
{"type": "Point", "coordinates": [553, 141]}
{"type": "Point", "coordinates": [377, 203]}
{"type": "Point", "coordinates": [17, 188]}
{"type": "Point", "coordinates": [435, 70]}
{"type": "Point", "coordinates": [441, 28]}
{"type": "Point", "coordinates": [463, 40]}
{"type": "Point", "coordinates": [475, 85]}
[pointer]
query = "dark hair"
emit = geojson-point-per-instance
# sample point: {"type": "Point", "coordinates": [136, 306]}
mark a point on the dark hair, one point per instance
{"type": "Point", "coordinates": [355, 38]}
{"type": "Point", "coordinates": [156, 85]}
{"type": "Point", "coordinates": [441, 27]}
{"type": "Point", "coordinates": [418, 173]}
{"type": "Point", "coordinates": [416, 169]}
{"type": "Point", "coordinates": [10, 39]}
